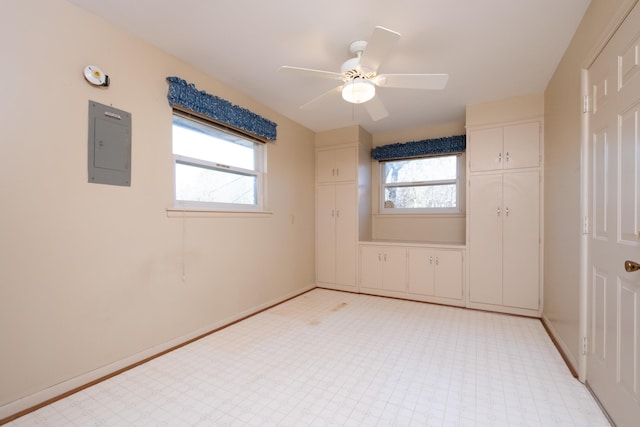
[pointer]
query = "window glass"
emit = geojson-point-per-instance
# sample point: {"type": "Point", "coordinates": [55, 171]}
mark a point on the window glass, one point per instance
{"type": "Point", "coordinates": [215, 168]}
{"type": "Point", "coordinates": [197, 140]}
{"type": "Point", "coordinates": [428, 184]}
{"type": "Point", "coordinates": [427, 169]}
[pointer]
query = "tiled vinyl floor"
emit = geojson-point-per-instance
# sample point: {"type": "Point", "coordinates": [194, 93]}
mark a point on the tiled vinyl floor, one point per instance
{"type": "Point", "coordinates": [334, 358]}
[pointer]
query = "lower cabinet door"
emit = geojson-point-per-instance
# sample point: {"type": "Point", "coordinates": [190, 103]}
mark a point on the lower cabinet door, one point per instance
{"type": "Point", "coordinates": [420, 273]}
{"type": "Point", "coordinates": [394, 269]}
{"type": "Point", "coordinates": [371, 267]}
{"type": "Point", "coordinates": [448, 274]}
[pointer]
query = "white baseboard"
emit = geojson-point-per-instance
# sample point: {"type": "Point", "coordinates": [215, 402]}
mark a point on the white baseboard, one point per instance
{"type": "Point", "coordinates": [59, 389]}
{"type": "Point", "coordinates": [567, 355]}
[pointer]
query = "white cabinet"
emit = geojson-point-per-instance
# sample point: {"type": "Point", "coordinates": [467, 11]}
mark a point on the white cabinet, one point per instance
{"type": "Point", "coordinates": [504, 227]}
{"type": "Point", "coordinates": [383, 268]}
{"type": "Point", "coordinates": [420, 272]}
{"type": "Point", "coordinates": [343, 172]}
{"type": "Point", "coordinates": [336, 164]}
{"type": "Point", "coordinates": [504, 239]}
{"type": "Point", "coordinates": [435, 272]}
{"type": "Point", "coordinates": [336, 234]}
{"type": "Point", "coordinates": [504, 147]}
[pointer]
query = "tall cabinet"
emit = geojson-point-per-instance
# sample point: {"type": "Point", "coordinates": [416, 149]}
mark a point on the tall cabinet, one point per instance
{"type": "Point", "coordinates": [504, 217]}
{"type": "Point", "coordinates": [343, 208]}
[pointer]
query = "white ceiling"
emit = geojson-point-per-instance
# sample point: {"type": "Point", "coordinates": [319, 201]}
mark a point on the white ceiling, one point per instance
{"type": "Point", "coordinates": [491, 49]}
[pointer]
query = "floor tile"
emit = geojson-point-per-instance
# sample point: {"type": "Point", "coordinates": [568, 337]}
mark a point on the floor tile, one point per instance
{"type": "Point", "coordinates": [335, 358]}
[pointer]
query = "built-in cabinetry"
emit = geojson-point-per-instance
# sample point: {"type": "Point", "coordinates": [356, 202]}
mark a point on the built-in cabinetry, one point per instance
{"type": "Point", "coordinates": [503, 217]}
{"type": "Point", "coordinates": [343, 166]}
{"type": "Point", "coordinates": [336, 237]}
{"type": "Point", "coordinates": [422, 272]}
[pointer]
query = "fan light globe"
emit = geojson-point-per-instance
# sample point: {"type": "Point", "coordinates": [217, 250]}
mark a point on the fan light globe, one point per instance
{"type": "Point", "coordinates": [358, 91]}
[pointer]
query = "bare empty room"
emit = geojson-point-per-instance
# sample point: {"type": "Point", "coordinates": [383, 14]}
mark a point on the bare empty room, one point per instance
{"type": "Point", "coordinates": [361, 213]}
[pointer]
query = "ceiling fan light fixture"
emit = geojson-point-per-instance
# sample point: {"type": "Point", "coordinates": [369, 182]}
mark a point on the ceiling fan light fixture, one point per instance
{"type": "Point", "coordinates": [358, 90]}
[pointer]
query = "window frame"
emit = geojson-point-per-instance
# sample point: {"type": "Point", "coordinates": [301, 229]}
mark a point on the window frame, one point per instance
{"type": "Point", "coordinates": [259, 171]}
{"type": "Point", "coordinates": [421, 211]}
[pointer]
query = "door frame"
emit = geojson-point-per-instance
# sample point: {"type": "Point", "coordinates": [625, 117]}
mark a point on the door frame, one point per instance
{"type": "Point", "coordinates": [585, 176]}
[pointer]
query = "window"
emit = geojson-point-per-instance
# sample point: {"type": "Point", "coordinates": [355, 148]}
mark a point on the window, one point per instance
{"type": "Point", "coordinates": [421, 185]}
{"type": "Point", "coordinates": [216, 168]}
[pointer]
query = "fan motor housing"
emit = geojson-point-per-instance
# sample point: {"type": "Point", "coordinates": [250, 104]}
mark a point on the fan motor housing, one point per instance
{"type": "Point", "coordinates": [350, 67]}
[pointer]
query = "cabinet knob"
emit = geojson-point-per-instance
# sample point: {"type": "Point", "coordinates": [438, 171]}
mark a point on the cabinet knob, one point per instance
{"type": "Point", "coordinates": [506, 211]}
{"type": "Point", "coordinates": [499, 157]}
{"type": "Point", "coordinates": [498, 211]}
{"type": "Point", "coordinates": [506, 157]}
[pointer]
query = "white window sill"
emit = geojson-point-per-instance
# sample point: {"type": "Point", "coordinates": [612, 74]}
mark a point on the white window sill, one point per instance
{"type": "Point", "coordinates": [211, 213]}
{"type": "Point", "coordinates": [420, 215]}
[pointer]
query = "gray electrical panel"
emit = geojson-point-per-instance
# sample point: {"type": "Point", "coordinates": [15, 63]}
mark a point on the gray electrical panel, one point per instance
{"type": "Point", "coordinates": [109, 145]}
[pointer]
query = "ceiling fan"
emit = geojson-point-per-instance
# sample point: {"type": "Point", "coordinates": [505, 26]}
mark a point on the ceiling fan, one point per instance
{"type": "Point", "coordinates": [360, 74]}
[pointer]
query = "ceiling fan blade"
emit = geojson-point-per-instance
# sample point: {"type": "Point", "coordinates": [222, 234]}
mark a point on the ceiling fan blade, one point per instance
{"type": "Point", "coordinates": [312, 73]}
{"type": "Point", "coordinates": [376, 109]}
{"type": "Point", "coordinates": [326, 95]}
{"type": "Point", "coordinates": [378, 47]}
{"type": "Point", "coordinates": [412, 81]}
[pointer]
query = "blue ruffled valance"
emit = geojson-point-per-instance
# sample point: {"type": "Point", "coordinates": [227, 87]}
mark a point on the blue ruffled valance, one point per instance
{"type": "Point", "coordinates": [185, 95]}
{"type": "Point", "coordinates": [426, 147]}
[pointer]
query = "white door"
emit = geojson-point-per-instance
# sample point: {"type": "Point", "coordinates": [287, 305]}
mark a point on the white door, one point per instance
{"type": "Point", "coordinates": [613, 308]}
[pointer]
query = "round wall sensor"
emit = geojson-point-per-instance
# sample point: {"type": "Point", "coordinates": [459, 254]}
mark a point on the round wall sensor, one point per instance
{"type": "Point", "coordinates": [95, 76]}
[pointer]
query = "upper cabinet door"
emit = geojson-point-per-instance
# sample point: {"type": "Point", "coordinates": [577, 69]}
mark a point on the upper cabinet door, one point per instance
{"type": "Point", "coordinates": [346, 164]}
{"type": "Point", "coordinates": [485, 149]}
{"type": "Point", "coordinates": [522, 146]}
{"type": "Point", "coordinates": [504, 147]}
{"type": "Point", "coordinates": [336, 164]}
{"type": "Point", "coordinates": [325, 166]}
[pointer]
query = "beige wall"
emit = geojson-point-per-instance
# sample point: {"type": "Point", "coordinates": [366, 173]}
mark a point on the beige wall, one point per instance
{"type": "Point", "coordinates": [94, 274]}
{"type": "Point", "coordinates": [517, 108]}
{"type": "Point", "coordinates": [562, 179]}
